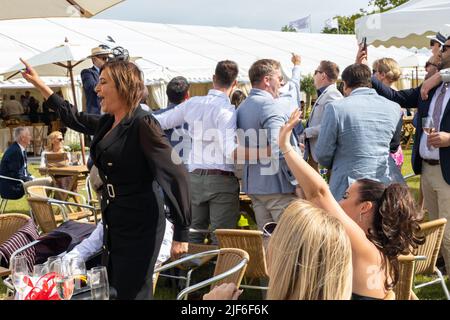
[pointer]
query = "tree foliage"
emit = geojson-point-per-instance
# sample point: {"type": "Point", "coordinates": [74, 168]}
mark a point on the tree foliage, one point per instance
{"type": "Point", "coordinates": [347, 23]}
{"type": "Point", "coordinates": [287, 28]}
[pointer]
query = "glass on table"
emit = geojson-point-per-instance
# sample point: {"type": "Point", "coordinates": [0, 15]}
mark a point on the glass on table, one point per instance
{"type": "Point", "coordinates": [78, 270]}
{"type": "Point", "coordinates": [98, 282]}
{"type": "Point", "coordinates": [19, 270]}
{"type": "Point", "coordinates": [64, 279]}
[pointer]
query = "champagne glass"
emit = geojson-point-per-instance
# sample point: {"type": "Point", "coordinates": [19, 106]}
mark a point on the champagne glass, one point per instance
{"type": "Point", "coordinates": [19, 270]}
{"type": "Point", "coordinates": [98, 281]}
{"type": "Point", "coordinates": [78, 270]}
{"type": "Point", "coordinates": [428, 127]}
{"type": "Point", "coordinates": [64, 279]}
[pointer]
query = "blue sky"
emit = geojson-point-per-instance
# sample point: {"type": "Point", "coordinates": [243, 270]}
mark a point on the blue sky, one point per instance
{"type": "Point", "coordinates": [256, 14]}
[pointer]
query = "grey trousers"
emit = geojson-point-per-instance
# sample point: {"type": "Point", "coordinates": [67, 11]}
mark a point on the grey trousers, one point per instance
{"type": "Point", "coordinates": [215, 202]}
{"type": "Point", "coordinates": [269, 207]}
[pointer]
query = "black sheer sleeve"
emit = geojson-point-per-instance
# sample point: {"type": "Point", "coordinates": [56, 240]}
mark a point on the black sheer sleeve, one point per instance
{"type": "Point", "coordinates": [170, 173]}
{"type": "Point", "coordinates": [81, 122]}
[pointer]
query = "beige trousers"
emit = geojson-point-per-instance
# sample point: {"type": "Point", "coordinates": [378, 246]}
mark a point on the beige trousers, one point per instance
{"type": "Point", "coordinates": [436, 196]}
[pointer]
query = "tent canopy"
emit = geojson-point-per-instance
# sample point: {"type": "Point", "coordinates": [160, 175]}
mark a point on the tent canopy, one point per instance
{"type": "Point", "coordinates": [191, 51]}
{"type": "Point", "coordinates": [407, 25]}
{"type": "Point", "coordinates": [21, 9]}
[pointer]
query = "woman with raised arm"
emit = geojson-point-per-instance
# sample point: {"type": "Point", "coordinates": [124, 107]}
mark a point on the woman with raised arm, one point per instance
{"type": "Point", "coordinates": [130, 151]}
{"type": "Point", "coordinates": [380, 221]}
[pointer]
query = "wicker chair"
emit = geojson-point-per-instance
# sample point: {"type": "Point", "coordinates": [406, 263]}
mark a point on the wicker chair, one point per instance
{"type": "Point", "coordinates": [45, 214]}
{"type": "Point", "coordinates": [403, 288]}
{"type": "Point", "coordinates": [433, 232]}
{"type": "Point", "coordinates": [9, 224]}
{"type": "Point", "coordinates": [230, 268]}
{"type": "Point", "coordinates": [252, 242]}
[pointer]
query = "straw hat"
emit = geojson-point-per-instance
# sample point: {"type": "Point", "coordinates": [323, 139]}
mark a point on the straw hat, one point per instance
{"type": "Point", "coordinates": [98, 51]}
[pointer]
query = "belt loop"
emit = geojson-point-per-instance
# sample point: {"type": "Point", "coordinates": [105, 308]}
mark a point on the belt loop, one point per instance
{"type": "Point", "coordinates": [110, 189]}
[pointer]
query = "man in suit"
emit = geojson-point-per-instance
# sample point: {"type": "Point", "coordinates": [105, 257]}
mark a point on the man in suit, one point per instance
{"type": "Point", "coordinates": [269, 184]}
{"type": "Point", "coordinates": [89, 78]}
{"type": "Point", "coordinates": [14, 165]}
{"type": "Point", "coordinates": [357, 132]}
{"type": "Point", "coordinates": [325, 77]}
{"type": "Point", "coordinates": [431, 153]}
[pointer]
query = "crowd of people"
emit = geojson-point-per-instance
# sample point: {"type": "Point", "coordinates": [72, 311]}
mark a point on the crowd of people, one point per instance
{"type": "Point", "coordinates": [333, 241]}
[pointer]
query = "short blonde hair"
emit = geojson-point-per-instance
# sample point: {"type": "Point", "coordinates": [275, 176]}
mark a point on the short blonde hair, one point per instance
{"type": "Point", "coordinates": [309, 256]}
{"type": "Point", "coordinates": [128, 80]}
{"type": "Point", "coordinates": [52, 136]}
{"type": "Point", "coordinates": [389, 67]}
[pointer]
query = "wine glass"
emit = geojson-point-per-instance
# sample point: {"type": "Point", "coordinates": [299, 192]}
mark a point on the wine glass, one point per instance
{"type": "Point", "coordinates": [78, 271]}
{"type": "Point", "coordinates": [428, 127]}
{"type": "Point", "coordinates": [19, 270]}
{"type": "Point", "coordinates": [64, 279]}
{"type": "Point", "coordinates": [98, 281]}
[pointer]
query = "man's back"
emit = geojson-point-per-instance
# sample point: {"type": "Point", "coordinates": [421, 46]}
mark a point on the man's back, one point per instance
{"type": "Point", "coordinates": [261, 117]}
{"type": "Point", "coordinates": [355, 137]}
{"type": "Point", "coordinates": [12, 107]}
{"type": "Point", "coordinates": [89, 78]}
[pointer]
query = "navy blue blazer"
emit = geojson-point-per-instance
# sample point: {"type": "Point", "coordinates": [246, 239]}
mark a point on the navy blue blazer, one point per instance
{"type": "Point", "coordinates": [89, 77]}
{"type": "Point", "coordinates": [13, 165]}
{"type": "Point", "coordinates": [411, 98]}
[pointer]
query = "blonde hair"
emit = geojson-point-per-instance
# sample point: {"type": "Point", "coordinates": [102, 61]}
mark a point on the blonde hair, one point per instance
{"type": "Point", "coordinates": [309, 256]}
{"type": "Point", "coordinates": [52, 136]}
{"type": "Point", "coordinates": [128, 81]}
{"type": "Point", "coordinates": [389, 67]}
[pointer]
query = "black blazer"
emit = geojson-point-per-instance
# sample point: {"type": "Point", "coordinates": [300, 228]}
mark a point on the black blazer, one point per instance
{"type": "Point", "coordinates": [129, 158]}
{"type": "Point", "coordinates": [89, 78]}
{"type": "Point", "coordinates": [411, 98]}
{"type": "Point", "coordinates": [13, 166]}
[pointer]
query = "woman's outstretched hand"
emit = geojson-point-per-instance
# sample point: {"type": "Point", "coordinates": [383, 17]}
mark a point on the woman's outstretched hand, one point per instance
{"type": "Point", "coordinates": [286, 130]}
{"type": "Point", "coordinates": [32, 77]}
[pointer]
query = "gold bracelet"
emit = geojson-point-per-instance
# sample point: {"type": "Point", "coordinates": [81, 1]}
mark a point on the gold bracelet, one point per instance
{"type": "Point", "coordinates": [283, 153]}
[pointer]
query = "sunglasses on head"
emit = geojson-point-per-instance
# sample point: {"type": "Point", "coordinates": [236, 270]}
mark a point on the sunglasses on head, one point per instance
{"type": "Point", "coordinates": [269, 228]}
{"type": "Point", "coordinates": [317, 71]}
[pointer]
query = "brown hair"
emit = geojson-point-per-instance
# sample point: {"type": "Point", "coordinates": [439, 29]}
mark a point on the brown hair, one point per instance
{"type": "Point", "coordinates": [356, 76]}
{"type": "Point", "coordinates": [226, 72]}
{"type": "Point", "coordinates": [389, 67]}
{"type": "Point", "coordinates": [395, 226]}
{"type": "Point", "coordinates": [128, 81]}
{"type": "Point", "coordinates": [237, 97]}
{"type": "Point", "coordinates": [261, 69]}
{"type": "Point", "coordinates": [331, 69]}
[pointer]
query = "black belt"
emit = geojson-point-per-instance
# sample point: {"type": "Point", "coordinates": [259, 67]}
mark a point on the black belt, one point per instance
{"type": "Point", "coordinates": [432, 162]}
{"type": "Point", "coordinates": [213, 172]}
{"type": "Point", "coordinates": [117, 190]}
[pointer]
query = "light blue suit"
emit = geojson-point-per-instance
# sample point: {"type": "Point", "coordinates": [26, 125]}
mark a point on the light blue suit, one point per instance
{"type": "Point", "coordinates": [261, 111]}
{"type": "Point", "coordinates": [354, 138]}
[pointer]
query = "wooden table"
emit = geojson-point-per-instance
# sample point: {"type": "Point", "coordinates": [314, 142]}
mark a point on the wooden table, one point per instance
{"type": "Point", "coordinates": [76, 172]}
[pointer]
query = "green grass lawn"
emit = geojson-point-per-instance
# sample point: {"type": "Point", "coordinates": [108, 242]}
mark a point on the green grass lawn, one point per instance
{"type": "Point", "coordinates": [166, 291]}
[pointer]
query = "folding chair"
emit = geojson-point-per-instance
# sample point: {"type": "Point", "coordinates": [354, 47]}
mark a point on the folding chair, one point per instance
{"type": "Point", "coordinates": [252, 242]}
{"type": "Point", "coordinates": [433, 232]}
{"type": "Point", "coordinates": [230, 268]}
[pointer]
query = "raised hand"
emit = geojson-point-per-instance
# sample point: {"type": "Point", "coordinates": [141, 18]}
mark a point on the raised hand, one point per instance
{"type": "Point", "coordinates": [361, 56]}
{"type": "Point", "coordinates": [286, 130]}
{"type": "Point", "coordinates": [296, 59]}
{"type": "Point", "coordinates": [32, 77]}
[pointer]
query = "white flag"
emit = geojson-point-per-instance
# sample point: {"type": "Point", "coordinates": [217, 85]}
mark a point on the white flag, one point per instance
{"type": "Point", "coordinates": [332, 23]}
{"type": "Point", "coordinates": [303, 23]}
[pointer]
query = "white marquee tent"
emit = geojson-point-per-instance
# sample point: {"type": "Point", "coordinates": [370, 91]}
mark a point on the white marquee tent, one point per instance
{"type": "Point", "coordinates": [407, 25]}
{"type": "Point", "coordinates": [171, 50]}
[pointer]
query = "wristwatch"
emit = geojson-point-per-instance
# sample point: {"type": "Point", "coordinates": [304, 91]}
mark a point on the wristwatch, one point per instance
{"type": "Point", "coordinates": [445, 75]}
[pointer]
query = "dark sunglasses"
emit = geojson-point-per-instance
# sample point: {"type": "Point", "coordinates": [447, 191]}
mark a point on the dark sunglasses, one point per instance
{"type": "Point", "coordinates": [269, 228]}
{"type": "Point", "coordinates": [60, 139]}
{"type": "Point", "coordinates": [444, 47]}
{"type": "Point", "coordinates": [317, 71]}
{"type": "Point", "coordinates": [103, 58]}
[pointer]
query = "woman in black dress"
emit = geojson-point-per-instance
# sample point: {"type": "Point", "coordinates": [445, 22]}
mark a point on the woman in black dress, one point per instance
{"type": "Point", "coordinates": [130, 151]}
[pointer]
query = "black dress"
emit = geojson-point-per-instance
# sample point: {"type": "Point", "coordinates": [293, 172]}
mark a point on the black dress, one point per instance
{"type": "Point", "coordinates": [129, 159]}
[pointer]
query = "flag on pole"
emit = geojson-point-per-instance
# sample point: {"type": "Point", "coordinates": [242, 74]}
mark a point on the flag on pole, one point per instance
{"type": "Point", "coordinates": [332, 23]}
{"type": "Point", "coordinates": [300, 24]}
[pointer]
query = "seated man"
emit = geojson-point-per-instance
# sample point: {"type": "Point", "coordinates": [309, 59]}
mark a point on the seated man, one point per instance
{"type": "Point", "coordinates": [14, 165]}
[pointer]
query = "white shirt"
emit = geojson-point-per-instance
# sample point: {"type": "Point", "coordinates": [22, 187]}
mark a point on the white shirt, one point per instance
{"type": "Point", "coordinates": [426, 153]}
{"type": "Point", "coordinates": [212, 128]}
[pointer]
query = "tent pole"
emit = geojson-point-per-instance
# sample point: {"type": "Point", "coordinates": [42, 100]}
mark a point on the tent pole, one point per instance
{"type": "Point", "coordinates": [83, 154]}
